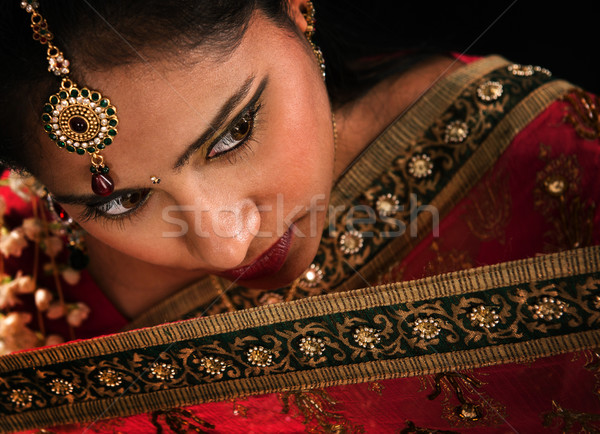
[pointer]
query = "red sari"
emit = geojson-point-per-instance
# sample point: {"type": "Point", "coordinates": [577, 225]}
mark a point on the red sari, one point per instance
{"type": "Point", "coordinates": [507, 157]}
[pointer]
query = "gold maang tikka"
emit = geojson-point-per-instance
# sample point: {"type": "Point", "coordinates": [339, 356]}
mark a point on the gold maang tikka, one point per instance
{"type": "Point", "coordinates": [78, 119]}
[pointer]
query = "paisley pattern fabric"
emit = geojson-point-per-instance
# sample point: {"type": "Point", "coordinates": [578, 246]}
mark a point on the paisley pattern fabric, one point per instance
{"type": "Point", "coordinates": [490, 177]}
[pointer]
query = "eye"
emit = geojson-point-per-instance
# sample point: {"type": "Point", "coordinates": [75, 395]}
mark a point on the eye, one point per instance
{"type": "Point", "coordinates": [124, 204]}
{"type": "Point", "coordinates": [236, 136]}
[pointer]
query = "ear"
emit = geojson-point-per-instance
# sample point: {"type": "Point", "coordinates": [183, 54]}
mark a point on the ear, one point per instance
{"type": "Point", "coordinates": [297, 9]}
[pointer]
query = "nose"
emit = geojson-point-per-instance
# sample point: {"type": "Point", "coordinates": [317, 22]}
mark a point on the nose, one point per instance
{"type": "Point", "coordinates": [221, 231]}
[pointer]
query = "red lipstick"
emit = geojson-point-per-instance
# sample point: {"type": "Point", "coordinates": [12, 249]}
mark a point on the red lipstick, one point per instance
{"type": "Point", "coordinates": [270, 262]}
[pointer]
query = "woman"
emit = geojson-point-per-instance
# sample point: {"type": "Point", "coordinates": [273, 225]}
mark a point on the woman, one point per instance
{"type": "Point", "coordinates": [231, 180]}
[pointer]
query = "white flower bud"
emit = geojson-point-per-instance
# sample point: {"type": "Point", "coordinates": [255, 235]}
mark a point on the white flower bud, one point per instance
{"type": "Point", "coordinates": [56, 310]}
{"type": "Point", "coordinates": [32, 228]}
{"type": "Point", "coordinates": [53, 246]}
{"type": "Point", "coordinates": [13, 243]}
{"type": "Point", "coordinates": [78, 314]}
{"type": "Point", "coordinates": [15, 334]}
{"type": "Point", "coordinates": [71, 276]}
{"type": "Point", "coordinates": [8, 295]}
{"type": "Point", "coordinates": [25, 284]}
{"type": "Point", "coordinates": [43, 298]}
{"type": "Point", "coordinates": [54, 340]}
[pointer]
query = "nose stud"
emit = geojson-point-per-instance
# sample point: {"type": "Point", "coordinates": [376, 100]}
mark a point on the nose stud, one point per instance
{"type": "Point", "coordinates": [155, 180]}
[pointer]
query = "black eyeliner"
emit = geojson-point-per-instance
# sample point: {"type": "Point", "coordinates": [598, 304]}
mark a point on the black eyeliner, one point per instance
{"type": "Point", "coordinates": [91, 211]}
{"type": "Point", "coordinates": [252, 107]}
{"type": "Point", "coordinates": [253, 113]}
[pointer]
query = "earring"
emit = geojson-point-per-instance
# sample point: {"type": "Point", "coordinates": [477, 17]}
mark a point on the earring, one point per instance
{"type": "Point", "coordinates": [78, 258]}
{"type": "Point", "coordinates": [309, 16]}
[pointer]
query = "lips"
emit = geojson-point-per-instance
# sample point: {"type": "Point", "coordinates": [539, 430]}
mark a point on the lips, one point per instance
{"type": "Point", "coordinates": [270, 262]}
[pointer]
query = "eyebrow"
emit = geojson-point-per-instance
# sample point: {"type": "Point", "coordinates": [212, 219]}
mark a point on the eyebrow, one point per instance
{"type": "Point", "coordinates": [93, 200]}
{"type": "Point", "coordinates": [217, 123]}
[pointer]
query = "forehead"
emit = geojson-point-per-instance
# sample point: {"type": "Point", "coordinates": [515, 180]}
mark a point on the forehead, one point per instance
{"type": "Point", "coordinates": [161, 105]}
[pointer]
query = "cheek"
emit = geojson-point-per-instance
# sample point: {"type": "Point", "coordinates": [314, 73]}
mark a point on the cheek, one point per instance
{"type": "Point", "coordinates": [136, 238]}
{"type": "Point", "coordinates": [301, 138]}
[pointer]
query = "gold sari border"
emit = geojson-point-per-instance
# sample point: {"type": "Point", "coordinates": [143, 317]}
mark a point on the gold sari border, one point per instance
{"type": "Point", "coordinates": [413, 122]}
{"type": "Point", "coordinates": [467, 176]}
{"type": "Point", "coordinates": [546, 267]}
{"type": "Point", "coordinates": [123, 406]}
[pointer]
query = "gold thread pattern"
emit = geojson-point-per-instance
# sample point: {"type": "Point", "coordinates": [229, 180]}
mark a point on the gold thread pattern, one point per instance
{"type": "Point", "coordinates": [213, 365]}
{"type": "Point", "coordinates": [260, 356]}
{"type": "Point", "coordinates": [490, 91]}
{"type": "Point", "coordinates": [163, 371]}
{"type": "Point", "coordinates": [60, 386]}
{"type": "Point", "coordinates": [366, 337]}
{"type": "Point", "coordinates": [110, 378]}
{"type": "Point", "coordinates": [420, 166]}
{"type": "Point", "coordinates": [312, 346]}
{"type": "Point", "coordinates": [583, 113]}
{"type": "Point", "coordinates": [390, 311]}
{"type": "Point", "coordinates": [456, 132]}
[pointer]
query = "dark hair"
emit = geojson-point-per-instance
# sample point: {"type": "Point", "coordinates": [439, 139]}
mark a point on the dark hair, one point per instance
{"type": "Point", "coordinates": [359, 49]}
{"type": "Point", "coordinates": [99, 34]}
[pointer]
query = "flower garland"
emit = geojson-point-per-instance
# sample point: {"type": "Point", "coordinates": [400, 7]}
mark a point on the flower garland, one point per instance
{"type": "Point", "coordinates": [43, 236]}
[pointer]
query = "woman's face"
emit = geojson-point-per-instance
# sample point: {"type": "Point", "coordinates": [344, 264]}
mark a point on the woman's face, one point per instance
{"type": "Point", "coordinates": [243, 146]}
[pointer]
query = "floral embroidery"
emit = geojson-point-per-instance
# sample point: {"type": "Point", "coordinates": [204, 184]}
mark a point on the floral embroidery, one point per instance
{"type": "Point", "coordinates": [110, 378]}
{"type": "Point", "coordinates": [366, 337]}
{"type": "Point", "coordinates": [456, 132]}
{"type": "Point", "coordinates": [490, 91]}
{"type": "Point", "coordinates": [213, 365]}
{"type": "Point", "coordinates": [316, 409]}
{"type": "Point", "coordinates": [521, 70]}
{"type": "Point", "coordinates": [163, 371]}
{"type": "Point", "coordinates": [583, 113]}
{"type": "Point", "coordinates": [490, 208]}
{"type": "Point", "coordinates": [259, 356]}
{"type": "Point", "coordinates": [21, 398]}
{"type": "Point", "coordinates": [474, 407]}
{"type": "Point", "coordinates": [59, 386]}
{"type": "Point", "coordinates": [312, 276]}
{"type": "Point", "coordinates": [557, 196]}
{"type": "Point", "coordinates": [351, 242]}
{"type": "Point", "coordinates": [376, 387]}
{"type": "Point", "coordinates": [408, 327]}
{"type": "Point", "coordinates": [427, 328]}
{"type": "Point", "coordinates": [240, 410]}
{"type": "Point", "coordinates": [387, 204]}
{"type": "Point", "coordinates": [484, 316]}
{"type": "Point", "coordinates": [555, 184]}
{"type": "Point", "coordinates": [572, 421]}
{"type": "Point", "coordinates": [312, 346]}
{"type": "Point", "coordinates": [446, 262]}
{"type": "Point", "coordinates": [179, 421]}
{"type": "Point", "coordinates": [548, 309]}
{"type": "Point", "coordinates": [420, 166]}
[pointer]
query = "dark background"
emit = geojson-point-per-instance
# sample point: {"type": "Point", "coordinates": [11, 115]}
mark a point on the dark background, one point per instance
{"type": "Point", "coordinates": [563, 37]}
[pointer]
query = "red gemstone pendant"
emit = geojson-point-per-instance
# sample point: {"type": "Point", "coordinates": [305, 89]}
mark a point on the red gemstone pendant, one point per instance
{"type": "Point", "coordinates": [102, 184]}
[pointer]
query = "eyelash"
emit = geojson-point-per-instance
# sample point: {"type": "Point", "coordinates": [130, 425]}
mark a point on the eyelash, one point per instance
{"type": "Point", "coordinates": [244, 146]}
{"type": "Point", "coordinates": [232, 155]}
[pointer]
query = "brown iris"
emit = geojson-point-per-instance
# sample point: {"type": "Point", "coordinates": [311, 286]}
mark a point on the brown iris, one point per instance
{"type": "Point", "coordinates": [241, 130]}
{"type": "Point", "coordinates": [132, 200]}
